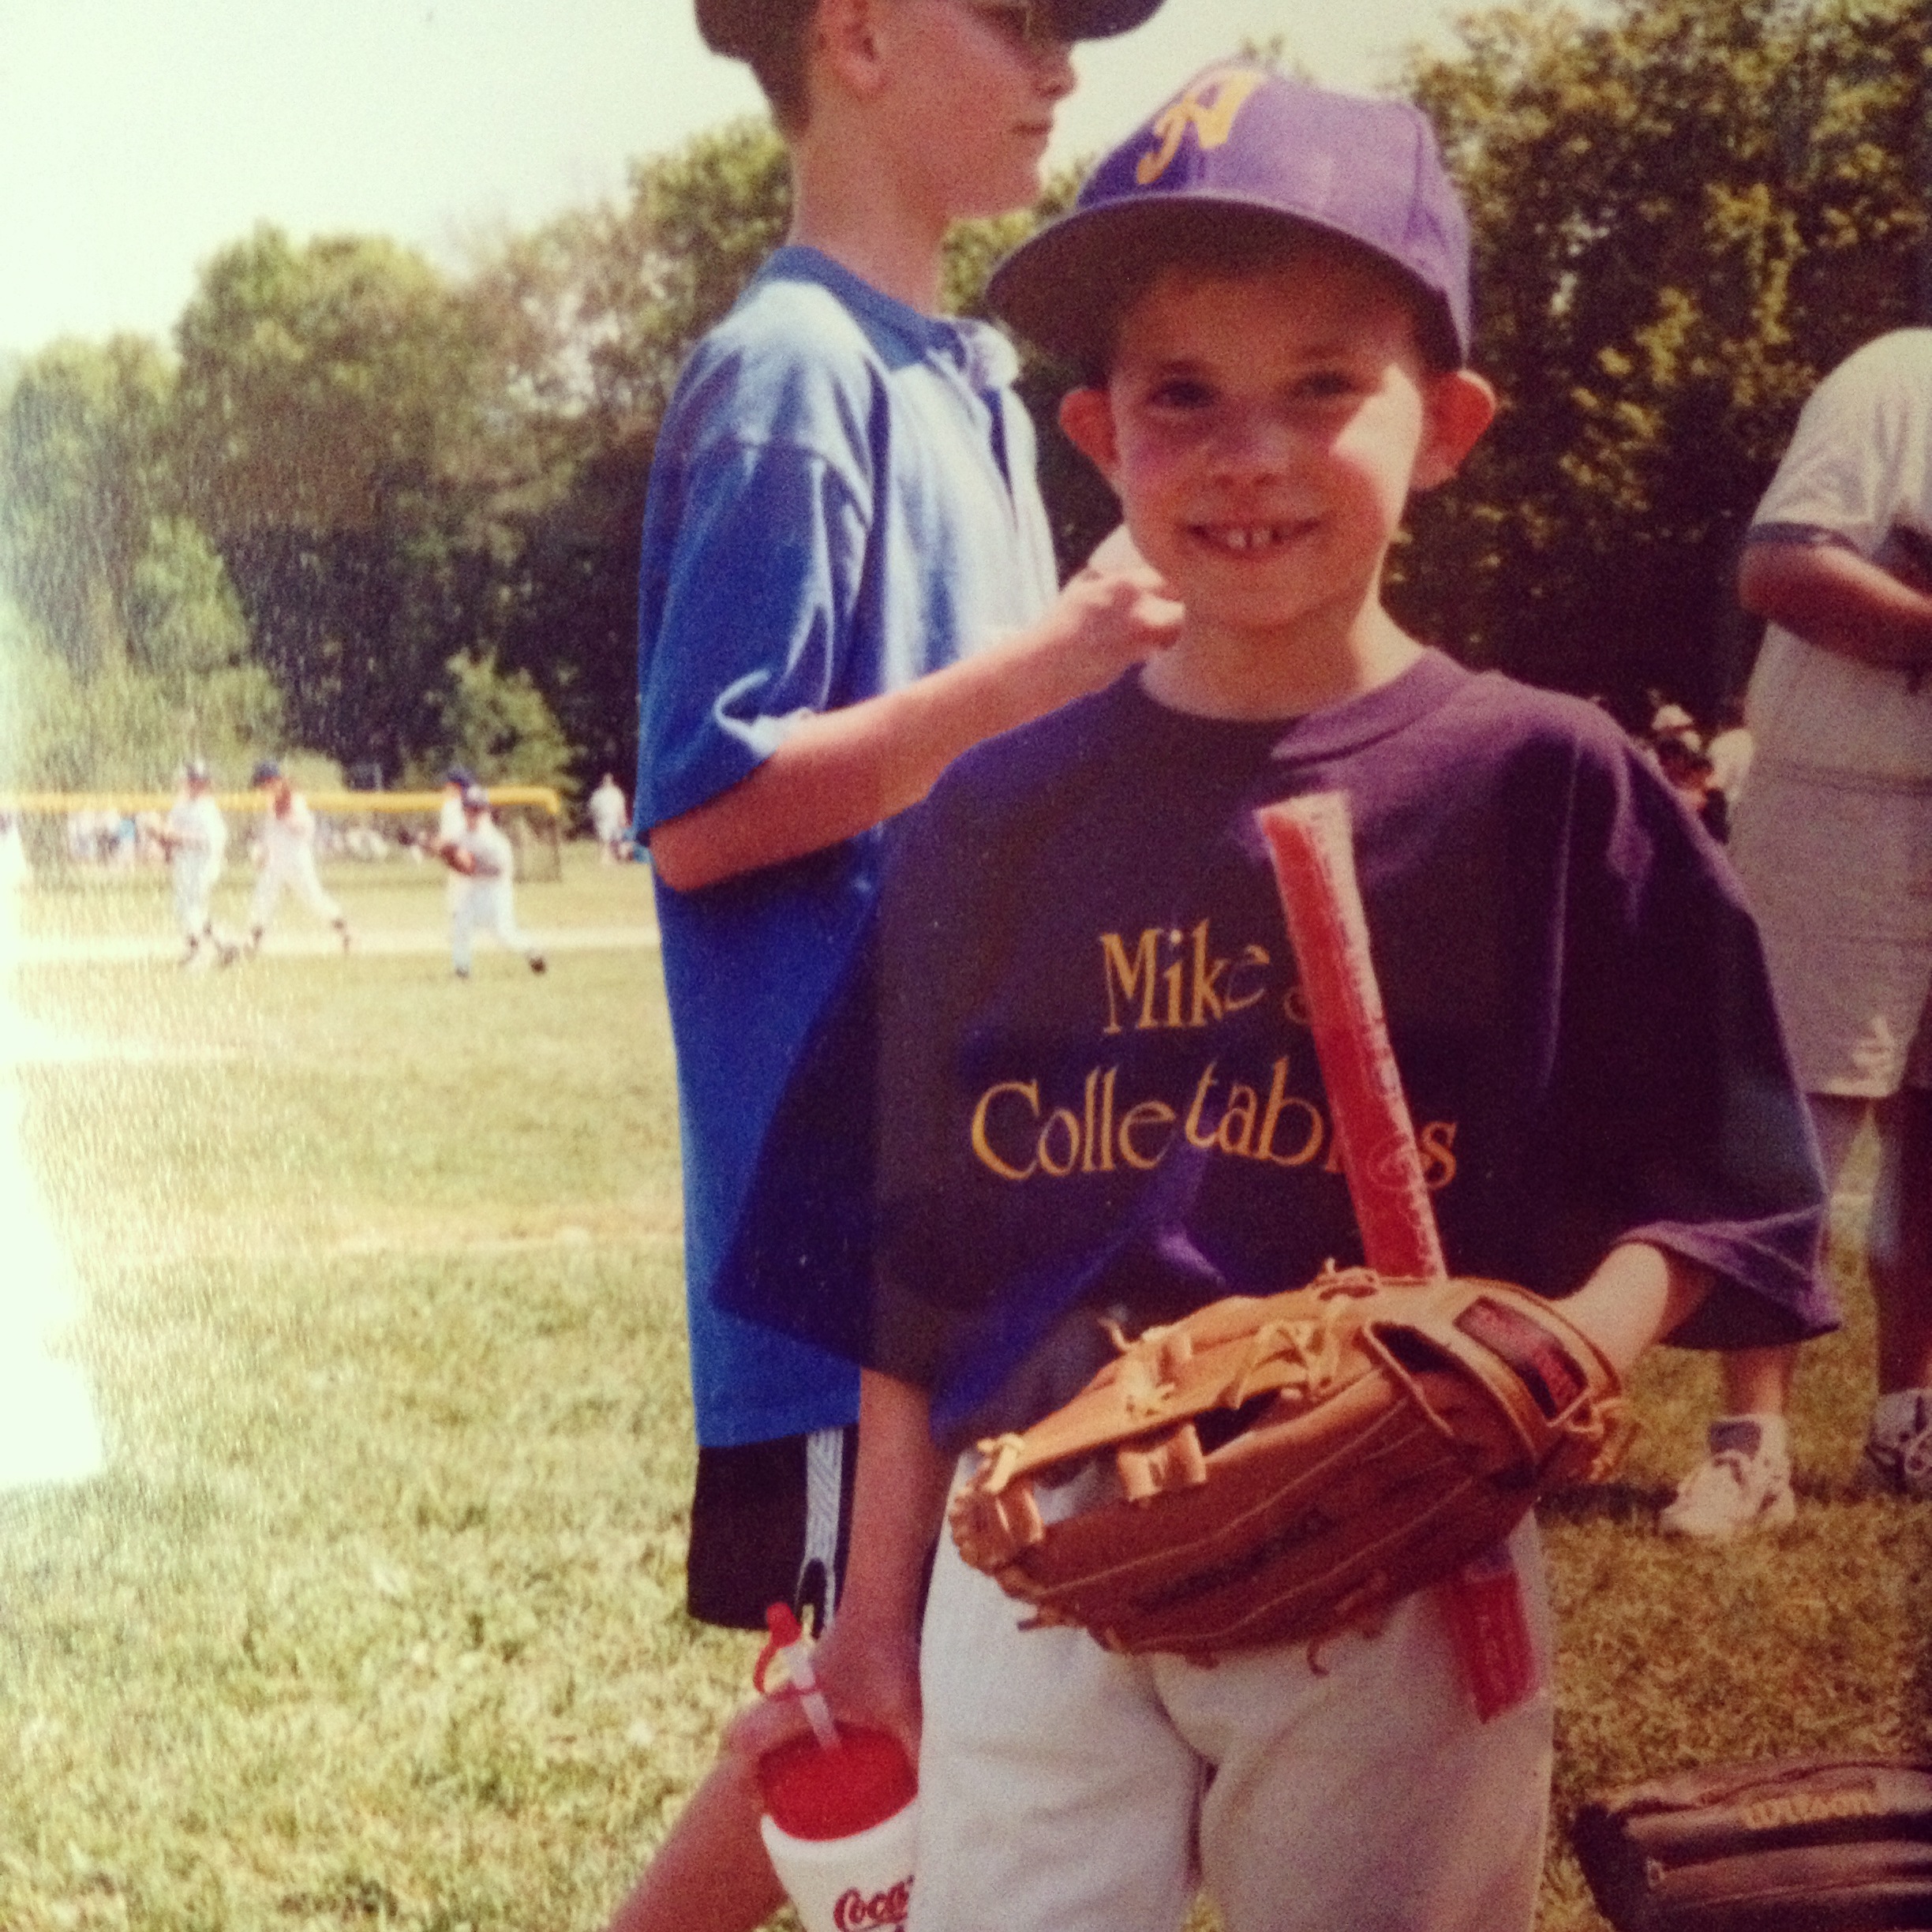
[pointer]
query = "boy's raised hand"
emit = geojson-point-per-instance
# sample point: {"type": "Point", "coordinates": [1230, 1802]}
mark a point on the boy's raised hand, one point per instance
{"type": "Point", "coordinates": [1115, 611]}
{"type": "Point", "coordinates": [837, 773]}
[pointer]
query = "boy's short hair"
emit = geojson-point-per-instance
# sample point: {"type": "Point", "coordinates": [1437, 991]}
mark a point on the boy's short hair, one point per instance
{"type": "Point", "coordinates": [770, 34]}
{"type": "Point", "coordinates": [1238, 170]}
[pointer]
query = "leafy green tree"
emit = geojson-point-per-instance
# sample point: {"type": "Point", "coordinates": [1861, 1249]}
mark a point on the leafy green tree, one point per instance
{"type": "Point", "coordinates": [591, 318]}
{"type": "Point", "coordinates": [124, 646]}
{"type": "Point", "coordinates": [82, 477]}
{"type": "Point", "coordinates": [119, 727]}
{"type": "Point", "coordinates": [595, 311]}
{"type": "Point", "coordinates": [1685, 212]}
{"type": "Point", "coordinates": [336, 439]}
{"type": "Point", "coordinates": [496, 725]}
{"type": "Point", "coordinates": [594, 317]}
{"type": "Point", "coordinates": [186, 635]}
{"type": "Point", "coordinates": [319, 382]}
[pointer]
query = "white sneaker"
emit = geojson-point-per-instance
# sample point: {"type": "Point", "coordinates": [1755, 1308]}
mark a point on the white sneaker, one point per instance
{"type": "Point", "coordinates": [1899, 1465]}
{"type": "Point", "coordinates": [1742, 1484]}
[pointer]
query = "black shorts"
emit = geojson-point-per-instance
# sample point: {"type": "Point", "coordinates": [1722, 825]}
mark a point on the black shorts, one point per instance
{"type": "Point", "coordinates": [770, 1523]}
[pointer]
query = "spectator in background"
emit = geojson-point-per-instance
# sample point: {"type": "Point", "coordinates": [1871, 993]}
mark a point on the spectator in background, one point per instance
{"type": "Point", "coordinates": [610, 820]}
{"type": "Point", "coordinates": [1689, 771]}
{"type": "Point", "coordinates": [1671, 720]}
{"type": "Point", "coordinates": [1834, 845]}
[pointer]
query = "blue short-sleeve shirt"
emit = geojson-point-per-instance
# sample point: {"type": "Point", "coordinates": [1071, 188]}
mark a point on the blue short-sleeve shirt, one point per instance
{"type": "Point", "coordinates": [843, 498]}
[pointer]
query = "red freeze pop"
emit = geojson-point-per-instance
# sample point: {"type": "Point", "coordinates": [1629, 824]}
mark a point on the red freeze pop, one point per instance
{"type": "Point", "coordinates": [1309, 841]}
{"type": "Point", "coordinates": [1314, 856]}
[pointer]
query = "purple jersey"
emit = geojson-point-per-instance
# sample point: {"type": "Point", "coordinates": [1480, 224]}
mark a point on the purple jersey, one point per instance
{"type": "Point", "coordinates": [1093, 1087]}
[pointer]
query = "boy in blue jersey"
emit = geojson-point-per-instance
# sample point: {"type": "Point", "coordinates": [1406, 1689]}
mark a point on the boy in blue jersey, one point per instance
{"type": "Point", "coordinates": [1091, 1091]}
{"type": "Point", "coordinates": [846, 579]}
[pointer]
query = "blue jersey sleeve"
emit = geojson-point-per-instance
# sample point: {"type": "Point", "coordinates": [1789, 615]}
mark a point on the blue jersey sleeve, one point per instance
{"type": "Point", "coordinates": [749, 631]}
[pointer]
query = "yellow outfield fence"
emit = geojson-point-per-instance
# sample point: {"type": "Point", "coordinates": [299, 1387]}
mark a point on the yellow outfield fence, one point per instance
{"type": "Point", "coordinates": [542, 798]}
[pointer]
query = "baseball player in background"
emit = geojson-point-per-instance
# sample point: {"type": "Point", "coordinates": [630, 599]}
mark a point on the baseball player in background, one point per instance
{"type": "Point", "coordinates": [483, 866]}
{"type": "Point", "coordinates": [288, 860]}
{"type": "Point", "coordinates": [449, 831]}
{"type": "Point", "coordinates": [610, 819]}
{"type": "Point", "coordinates": [194, 835]}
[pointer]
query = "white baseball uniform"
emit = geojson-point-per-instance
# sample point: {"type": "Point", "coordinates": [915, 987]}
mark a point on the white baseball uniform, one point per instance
{"type": "Point", "coordinates": [197, 844]}
{"type": "Point", "coordinates": [16, 871]}
{"type": "Point", "coordinates": [449, 831]}
{"type": "Point", "coordinates": [486, 897]}
{"type": "Point", "coordinates": [288, 863]}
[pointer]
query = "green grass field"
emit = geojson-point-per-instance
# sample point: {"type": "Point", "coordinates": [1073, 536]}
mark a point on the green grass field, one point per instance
{"type": "Point", "coordinates": [374, 1619]}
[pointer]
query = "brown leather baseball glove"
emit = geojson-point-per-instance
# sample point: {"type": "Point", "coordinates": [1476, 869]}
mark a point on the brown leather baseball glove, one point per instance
{"type": "Point", "coordinates": [1277, 1468]}
{"type": "Point", "coordinates": [1788, 1845]}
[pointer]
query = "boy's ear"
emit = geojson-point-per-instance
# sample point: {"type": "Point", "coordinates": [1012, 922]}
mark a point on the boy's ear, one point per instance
{"type": "Point", "coordinates": [1088, 417]}
{"type": "Point", "coordinates": [845, 34]}
{"type": "Point", "coordinates": [1459, 406]}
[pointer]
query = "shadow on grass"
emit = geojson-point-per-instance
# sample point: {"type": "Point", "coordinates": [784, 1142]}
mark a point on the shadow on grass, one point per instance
{"type": "Point", "coordinates": [1633, 1505]}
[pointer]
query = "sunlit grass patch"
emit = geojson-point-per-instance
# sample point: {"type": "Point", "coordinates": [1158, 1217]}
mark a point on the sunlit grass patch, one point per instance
{"type": "Point", "coordinates": [375, 1618]}
{"type": "Point", "coordinates": [380, 1602]}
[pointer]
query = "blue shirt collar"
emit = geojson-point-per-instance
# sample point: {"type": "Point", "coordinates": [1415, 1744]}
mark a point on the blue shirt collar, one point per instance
{"type": "Point", "coordinates": [980, 353]}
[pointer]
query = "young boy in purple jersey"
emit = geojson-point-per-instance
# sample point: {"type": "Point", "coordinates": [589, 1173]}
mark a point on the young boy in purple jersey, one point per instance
{"type": "Point", "coordinates": [1093, 1093]}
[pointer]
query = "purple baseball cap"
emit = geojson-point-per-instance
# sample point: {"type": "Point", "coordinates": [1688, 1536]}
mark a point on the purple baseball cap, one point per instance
{"type": "Point", "coordinates": [745, 28]}
{"type": "Point", "coordinates": [1240, 147]}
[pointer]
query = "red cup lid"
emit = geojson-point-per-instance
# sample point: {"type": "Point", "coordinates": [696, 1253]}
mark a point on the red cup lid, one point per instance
{"type": "Point", "coordinates": [814, 1792]}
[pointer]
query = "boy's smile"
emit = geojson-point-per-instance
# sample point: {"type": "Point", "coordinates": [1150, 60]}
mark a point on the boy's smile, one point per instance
{"type": "Point", "coordinates": [1264, 431]}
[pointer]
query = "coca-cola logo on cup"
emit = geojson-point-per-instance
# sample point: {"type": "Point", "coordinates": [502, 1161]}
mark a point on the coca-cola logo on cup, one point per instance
{"type": "Point", "coordinates": [855, 1910]}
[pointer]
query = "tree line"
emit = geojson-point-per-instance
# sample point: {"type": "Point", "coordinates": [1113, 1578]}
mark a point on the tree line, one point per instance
{"type": "Point", "coordinates": [390, 515]}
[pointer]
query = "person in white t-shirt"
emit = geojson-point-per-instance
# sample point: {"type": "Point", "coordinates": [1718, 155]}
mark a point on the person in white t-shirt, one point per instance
{"type": "Point", "coordinates": [195, 836]}
{"type": "Point", "coordinates": [1730, 750]}
{"type": "Point", "coordinates": [1833, 841]}
{"type": "Point", "coordinates": [288, 860]}
{"type": "Point", "coordinates": [484, 865]}
{"type": "Point", "coordinates": [610, 819]}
